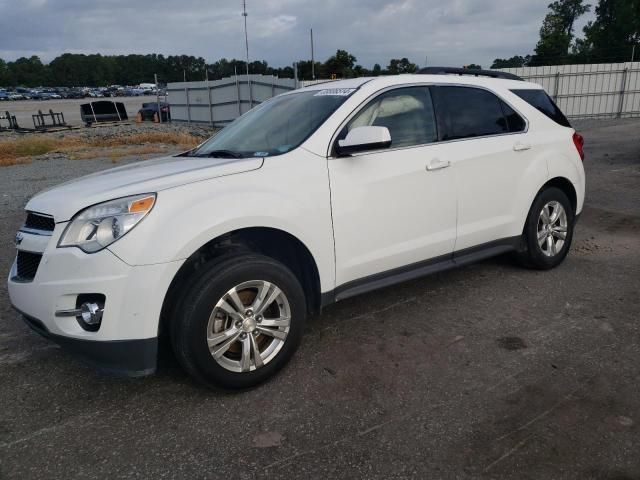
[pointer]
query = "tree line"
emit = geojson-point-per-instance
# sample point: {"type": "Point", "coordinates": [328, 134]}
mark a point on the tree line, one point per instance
{"type": "Point", "coordinates": [71, 70]}
{"type": "Point", "coordinates": [609, 38]}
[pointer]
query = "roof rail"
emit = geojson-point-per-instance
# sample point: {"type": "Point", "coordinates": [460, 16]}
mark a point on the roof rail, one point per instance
{"type": "Point", "coordinates": [468, 71]}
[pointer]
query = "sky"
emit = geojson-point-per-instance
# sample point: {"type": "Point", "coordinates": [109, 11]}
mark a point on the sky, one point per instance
{"type": "Point", "coordinates": [438, 32]}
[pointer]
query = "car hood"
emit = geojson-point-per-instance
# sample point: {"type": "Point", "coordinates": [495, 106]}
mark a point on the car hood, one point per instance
{"type": "Point", "coordinates": [65, 200]}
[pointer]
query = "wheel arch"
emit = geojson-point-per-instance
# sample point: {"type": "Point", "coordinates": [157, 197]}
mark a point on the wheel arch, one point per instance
{"type": "Point", "coordinates": [564, 184]}
{"type": "Point", "coordinates": [272, 242]}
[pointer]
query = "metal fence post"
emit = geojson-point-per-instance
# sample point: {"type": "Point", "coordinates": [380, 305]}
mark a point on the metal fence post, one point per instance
{"type": "Point", "coordinates": [155, 78]}
{"type": "Point", "coordinates": [556, 86]}
{"type": "Point", "coordinates": [209, 101]}
{"type": "Point", "coordinates": [238, 94]}
{"type": "Point", "coordinates": [623, 88]}
{"type": "Point", "coordinates": [186, 93]}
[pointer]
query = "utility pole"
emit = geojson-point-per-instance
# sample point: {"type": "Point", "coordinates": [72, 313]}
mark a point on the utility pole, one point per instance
{"type": "Point", "coordinates": [633, 52]}
{"type": "Point", "coordinates": [313, 63]}
{"type": "Point", "coordinates": [246, 44]}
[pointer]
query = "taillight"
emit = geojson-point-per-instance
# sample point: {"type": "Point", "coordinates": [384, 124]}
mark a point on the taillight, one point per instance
{"type": "Point", "coordinates": [578, 141]}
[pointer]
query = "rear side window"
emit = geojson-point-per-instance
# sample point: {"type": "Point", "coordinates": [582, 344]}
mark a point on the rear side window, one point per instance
{"type": "Point", "coordinates": [539, 99]}
{"type": "Point", "coordinates": [465, 112]}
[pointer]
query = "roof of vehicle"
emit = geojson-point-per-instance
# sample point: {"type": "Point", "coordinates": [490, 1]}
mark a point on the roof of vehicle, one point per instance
{"type": "Point", "coordinates": [476, 72]}
{"type": "Point", "coordinates": [390, 80]}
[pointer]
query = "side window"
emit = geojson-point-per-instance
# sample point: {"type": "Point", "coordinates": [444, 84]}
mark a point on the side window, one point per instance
{"type": "Point", "coordinates": [515, 122]}
{"type": "Point", "coordinates": [539, 99]}
{"type": "Point", "coordinates": [406, 112]}
{"type": "Point", "coordinates": [465, 112]}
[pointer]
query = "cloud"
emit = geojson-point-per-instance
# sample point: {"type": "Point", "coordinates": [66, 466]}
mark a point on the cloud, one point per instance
{"type": "Point", "coordinates": [455, 32]}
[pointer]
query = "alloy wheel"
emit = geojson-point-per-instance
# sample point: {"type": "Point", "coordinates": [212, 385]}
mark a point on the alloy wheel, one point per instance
{"type": "Point", "coordinates": [552, 228]}
{"type": "Point", "coordinates": [248, 326]}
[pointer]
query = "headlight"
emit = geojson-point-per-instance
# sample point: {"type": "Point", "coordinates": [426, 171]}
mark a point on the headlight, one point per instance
{"type": "Point", "coordinates": [99, 226]}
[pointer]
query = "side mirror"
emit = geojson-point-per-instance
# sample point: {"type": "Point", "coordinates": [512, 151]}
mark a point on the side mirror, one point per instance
{"type": "Point", "coordinates": [361, 139]}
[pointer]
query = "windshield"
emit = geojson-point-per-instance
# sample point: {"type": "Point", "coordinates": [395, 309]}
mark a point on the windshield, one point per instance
{"type": "Point", "coordinates": [276, 126]}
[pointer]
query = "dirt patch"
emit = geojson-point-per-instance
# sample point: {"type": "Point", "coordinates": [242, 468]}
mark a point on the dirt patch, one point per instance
{"type": "Point", "coordinates": [589, 246]}
{"type": "Point", "coordinates": [80, 146]}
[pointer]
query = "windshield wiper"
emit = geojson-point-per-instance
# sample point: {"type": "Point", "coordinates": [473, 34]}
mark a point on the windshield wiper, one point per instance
{"type": "Point", "coordinates": [221, 154]}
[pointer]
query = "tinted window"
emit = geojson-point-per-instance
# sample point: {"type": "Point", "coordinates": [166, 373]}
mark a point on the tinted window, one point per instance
{"type": "Point", "coordinates": [406, 112]}
{"type": "Point", "coordinates": [540, 100]}
{"type": "Point", "coordinates": [465, 112]}
{"type": "Point", "coordinates": [515, 122]}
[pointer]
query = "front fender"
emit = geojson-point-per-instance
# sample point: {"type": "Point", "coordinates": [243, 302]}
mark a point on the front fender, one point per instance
{"type": "Point", "coordinates": [289, 194]}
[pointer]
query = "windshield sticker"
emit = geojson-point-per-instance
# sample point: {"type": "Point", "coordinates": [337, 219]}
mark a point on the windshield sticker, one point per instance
{"type": "Point", "coordinates": [336, 92]}
{"type": "Point", "coordinates": [261, 154]}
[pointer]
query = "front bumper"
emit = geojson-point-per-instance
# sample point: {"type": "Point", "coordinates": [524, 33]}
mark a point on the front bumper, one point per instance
{"type": "Point", "coordinates": [131, 358]}
{"type": "Point", "coordinates": [126, 341]}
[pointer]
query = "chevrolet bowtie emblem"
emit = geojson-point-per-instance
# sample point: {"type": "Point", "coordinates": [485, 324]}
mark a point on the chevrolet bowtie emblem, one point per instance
{"type": "Point", "coordinates": [19, 238]}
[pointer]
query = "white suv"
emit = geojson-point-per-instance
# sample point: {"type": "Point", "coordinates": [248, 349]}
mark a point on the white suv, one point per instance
{"type": "Point", "coordinates": [312, 197]}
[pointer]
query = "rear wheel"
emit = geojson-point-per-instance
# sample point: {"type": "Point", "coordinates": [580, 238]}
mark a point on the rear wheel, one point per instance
{"type": "Point", "coordinates": [240, 320]}
{"type": "Point", "coordinates": [548, 231]}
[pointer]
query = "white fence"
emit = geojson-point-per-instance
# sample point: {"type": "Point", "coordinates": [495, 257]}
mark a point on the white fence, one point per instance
{"type": "Point", "coordinates": [594, 90]}
{"type": "Point", "coordinates": [581, 91]}
{"type": "Point", "coordinates": [219, 102]}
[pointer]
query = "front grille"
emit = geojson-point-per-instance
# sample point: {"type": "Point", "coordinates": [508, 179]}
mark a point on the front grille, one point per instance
{"type": "Point", "coordinates": [37, 221]}
{"type": "Point", "coordinates": [27, 263]}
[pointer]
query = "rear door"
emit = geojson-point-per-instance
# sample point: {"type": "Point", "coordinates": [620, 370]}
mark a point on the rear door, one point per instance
{"type": "Point", "coordinates": [489, 154]}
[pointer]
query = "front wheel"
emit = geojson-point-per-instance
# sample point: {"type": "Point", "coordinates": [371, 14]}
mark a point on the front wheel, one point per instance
{"type": "Point", "coordinates": [239, 321]}
{"type": "Point", "coordinates": [548, 231]}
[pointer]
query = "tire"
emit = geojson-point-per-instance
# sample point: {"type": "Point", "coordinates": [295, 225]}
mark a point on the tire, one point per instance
{"type": "Point", "coordinates": [208, 321]}
{"type": "Point", "coordinates": [541, 254]}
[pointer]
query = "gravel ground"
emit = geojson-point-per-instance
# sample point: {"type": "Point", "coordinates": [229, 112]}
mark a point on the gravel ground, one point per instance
{"type": "Point", "coordinates": [23, 109]}
{"type": "Point", "coordinates": [488, 371]}
{"type": "Point", "coordinates": [114, 131]}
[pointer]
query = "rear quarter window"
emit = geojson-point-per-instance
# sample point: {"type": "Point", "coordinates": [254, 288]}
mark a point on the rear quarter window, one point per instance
{"type": "Point", "coordinates": [539, 99]}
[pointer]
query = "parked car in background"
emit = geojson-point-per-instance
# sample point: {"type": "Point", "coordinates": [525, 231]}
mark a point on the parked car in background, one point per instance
{"type": "Point", "coordinates": [16, 96]}
{"type": "Point", "coordinates": [75, 93]}
{"type": "Point", "coordinates": [25, 92]}
{"type": "Point", "coordinates": [134, 92]}
{"type": "Point", "coordinates": [312, 197]}
{"type": "Point", "coordinates": [150, 109]}
{"type": "Point", "coordinates": [4, 95]}
{"type": "Point", "coordinates": [36, 94]}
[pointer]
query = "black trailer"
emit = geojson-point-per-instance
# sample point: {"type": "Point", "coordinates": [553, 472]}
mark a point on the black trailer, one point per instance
{"type": "Point", "coordinates": [103, 111]}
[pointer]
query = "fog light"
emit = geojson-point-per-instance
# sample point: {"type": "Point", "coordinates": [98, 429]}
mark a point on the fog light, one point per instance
{"type": "Point", "coordinates": [91, 313]}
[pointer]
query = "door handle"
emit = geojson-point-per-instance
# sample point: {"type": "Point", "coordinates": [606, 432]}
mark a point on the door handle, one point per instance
{"type": "Point", "coordinates": [437, 164]}
{"type": "Point", "coordinates": [519, 146]}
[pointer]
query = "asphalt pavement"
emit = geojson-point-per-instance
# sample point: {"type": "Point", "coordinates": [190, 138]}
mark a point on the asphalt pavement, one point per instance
{"type": "Point", "coordinates": [488, 371]}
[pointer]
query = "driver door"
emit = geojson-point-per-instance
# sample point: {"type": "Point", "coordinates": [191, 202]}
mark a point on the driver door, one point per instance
{"type": "Point", "coordinates": [396, 207]}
